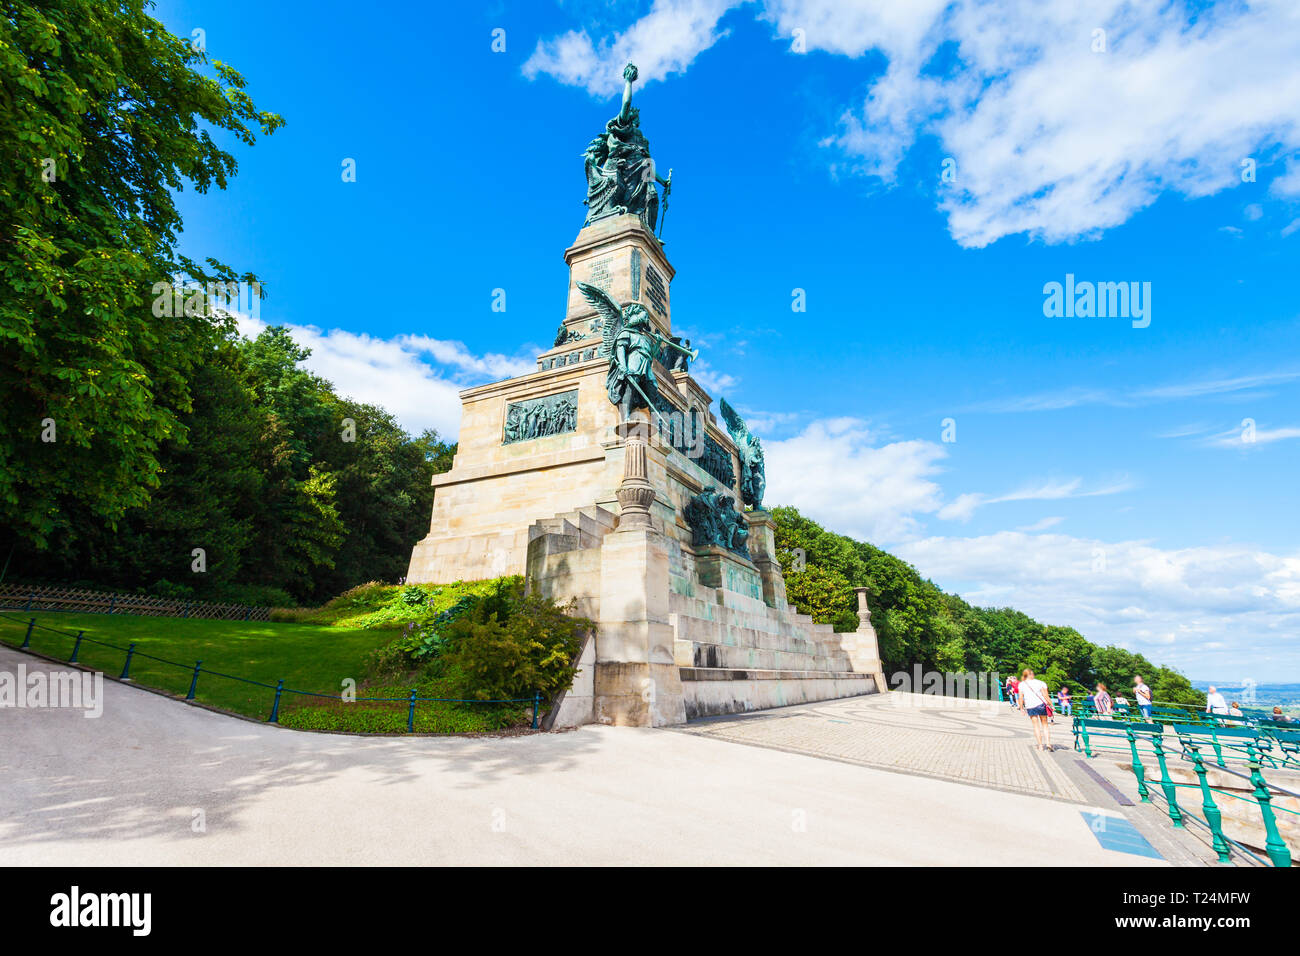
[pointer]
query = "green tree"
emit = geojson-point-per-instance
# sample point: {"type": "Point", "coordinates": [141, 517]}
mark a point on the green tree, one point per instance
{"type": "Point", "coordinates": [102, 121]}
{"type": "Point", "coordinates": [384, 496]}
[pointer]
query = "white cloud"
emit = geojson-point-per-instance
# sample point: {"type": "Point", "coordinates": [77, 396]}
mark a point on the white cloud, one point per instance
{"type": "Point", "coordinates": [666, 40]}
{"type": "Point", "coordinates": [1175, 605]}
{"type": "Point", "coordinates": [831, 472]}
{"type": "Point", "coordinates": [711, 380]}
{"type": "Point", "coordinates": [1049, 137]}
{"type": "Point", "coordinates": [1213, 611]}
{"type": "Point", "coordinates": [964, 506]}
{"type": "Point", "coordinates": [393, 373]}
{"type": "Point", "coordinates": [1042, 524]}
{"type": "Point", "coordinates": [1077, 396]}
{"type": "Point", "coordinates": [1287, 184]}
{"type": "Point", "coordinates": [1248, 437]}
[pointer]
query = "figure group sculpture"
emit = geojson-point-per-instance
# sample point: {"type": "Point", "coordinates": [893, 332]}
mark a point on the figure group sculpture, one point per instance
{"type": "Point", "coordinates": [714, 521]}
{"type": "Point", "coordinates": [551, 415]}
{"type": "Point", "coordinates": [753, 477]}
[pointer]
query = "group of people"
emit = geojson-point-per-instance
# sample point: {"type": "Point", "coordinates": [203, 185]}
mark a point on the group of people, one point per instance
{"type": "Point", "coordinates": [1216, 703]}
{"type": "Point", "coordinates": [1031, 697]}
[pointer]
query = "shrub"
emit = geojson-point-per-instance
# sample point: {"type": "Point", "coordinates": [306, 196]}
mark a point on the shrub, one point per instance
{"type": "Point", "coordinates": [163, 588]}
{"type": "Point", "coordinates": [512, 647]}
{"type": "Point", "coordinates": [413, 596]}
{"type": "Point", "coordinates": [254, 595]}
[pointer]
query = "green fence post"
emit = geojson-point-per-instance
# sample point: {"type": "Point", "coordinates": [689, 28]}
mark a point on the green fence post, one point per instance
{"type": "Point", "coordinates": [1087, 744]}
{"type": "Point", "coordinates": [194, 680]}
{"type": "Point", "coordinates": [410, 713]}
{"type": "Point", "coordinates": [537, 703]}
{"type": "Point", "coordinates": [1212, 815]}
{"type": "Point", "coordinates": [126, 668]}
{"type": "Point", "coordinates": [27, 641]}
{"type": "Point", "coordinates": [275, 707]}
{"type": "Point", "coordinates": [1218, 751]}
{"type": "Point", "coordinates": [76, 648]}
{"type": "Point", "coordinates": [1138, 770]}
{"type": "Point", "coordinates": [1274, 845]}
{"type": "Point", "coordinates": [1166, 782]}
{"type": "Point", "coordinates": [111, 602]}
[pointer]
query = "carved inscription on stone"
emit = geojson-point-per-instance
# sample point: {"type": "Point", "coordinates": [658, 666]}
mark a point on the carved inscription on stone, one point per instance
{"type": "Point", "coordinates": [600, 275]}
{"type": "Point", "coordinates": [656, 292]}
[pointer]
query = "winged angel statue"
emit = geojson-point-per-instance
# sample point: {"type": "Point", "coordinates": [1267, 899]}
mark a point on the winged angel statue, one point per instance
{"type": "Point", "coordinates": [631, 344]}
{"type": "Point", "coordinates": [753, 479]}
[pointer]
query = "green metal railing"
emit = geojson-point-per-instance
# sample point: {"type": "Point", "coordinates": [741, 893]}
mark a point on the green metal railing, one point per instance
{"type": "Point", "coordinates": [197, 669]}
{"type": "Point", "coordinates": [1236, 745]}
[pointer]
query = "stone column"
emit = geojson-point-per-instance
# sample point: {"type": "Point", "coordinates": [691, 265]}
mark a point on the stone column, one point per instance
{"type": "Point", "coordinates": [762, 551]}
{"type": "Point", "coordinates": [635, 493]}
{"type": "Point", "coordinates": [863, 647]}
{"type": "Point", "coordinates": [637, 682]}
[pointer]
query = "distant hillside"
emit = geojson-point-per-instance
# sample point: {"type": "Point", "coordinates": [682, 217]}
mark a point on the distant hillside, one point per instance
{"type": "Point", "coordinates": [920, 624]}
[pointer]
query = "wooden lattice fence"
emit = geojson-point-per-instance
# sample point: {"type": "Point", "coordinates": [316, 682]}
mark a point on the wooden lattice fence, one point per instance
{"type": "Point", "coordinates": [21, 597]}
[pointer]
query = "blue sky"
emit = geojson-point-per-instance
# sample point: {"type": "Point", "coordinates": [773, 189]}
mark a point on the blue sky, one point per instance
{"type": "Point", "coordinates": [1100, 475]}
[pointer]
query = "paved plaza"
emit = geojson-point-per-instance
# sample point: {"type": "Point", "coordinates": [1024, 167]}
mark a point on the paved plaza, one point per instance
{"type": "Point", "coordinates": [977, 742]}
{"type": "Point", "coordinates": [156, 781]}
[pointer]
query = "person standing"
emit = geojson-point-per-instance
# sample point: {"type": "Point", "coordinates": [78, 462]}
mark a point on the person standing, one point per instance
{"type": "Point", "coordinates": [1143, 695]}
{"type": "Point", "coordinates": [1033, 703]}
{"type": "Point", "coordinates": [1015, 692]}
{"type": "Point", "coordinates": [1214, 702]}
{"type": "Point", "coordinates": [1101, 702]}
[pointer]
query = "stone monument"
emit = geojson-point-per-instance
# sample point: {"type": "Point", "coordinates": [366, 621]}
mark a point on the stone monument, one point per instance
{"type": "Point", "coordinates": [604, 477]}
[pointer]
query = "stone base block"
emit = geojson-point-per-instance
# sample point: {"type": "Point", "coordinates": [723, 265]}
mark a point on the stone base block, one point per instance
{"type": "Point", "coordinates": [638, 695]}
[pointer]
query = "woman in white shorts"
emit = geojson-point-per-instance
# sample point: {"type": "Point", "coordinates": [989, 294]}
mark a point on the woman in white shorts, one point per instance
{"type": "Point", "coordinates": [1033, 701]}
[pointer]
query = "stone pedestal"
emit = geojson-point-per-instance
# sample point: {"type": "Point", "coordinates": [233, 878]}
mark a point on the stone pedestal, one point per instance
{"type": "Point", "coordinates": [862, 646]}
{"type": "Point", "coordinates": [619, 255]}
{"type": "Point", "coordinates": [718, 568]}
{"type": "Point", "coordinates": [637, 682]}
{"type": "Point", "coordinates": [762, 550]}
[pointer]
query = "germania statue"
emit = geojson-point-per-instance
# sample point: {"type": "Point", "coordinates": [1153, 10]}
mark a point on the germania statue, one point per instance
{"type": "Point", "coordinates": [621, 175]}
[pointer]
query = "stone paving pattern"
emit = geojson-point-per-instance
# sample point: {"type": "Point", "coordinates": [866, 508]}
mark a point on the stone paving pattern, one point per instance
{"type": "Point", "coordinates": [983, 743]}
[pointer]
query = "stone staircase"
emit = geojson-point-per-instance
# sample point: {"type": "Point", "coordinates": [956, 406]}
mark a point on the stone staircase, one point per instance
{"type": "Point", "coordinates": [732, 651]}
{"type": "Point", "coordinates": [737, 654]}
{"type": "Point", "coordinates": [573, 530]}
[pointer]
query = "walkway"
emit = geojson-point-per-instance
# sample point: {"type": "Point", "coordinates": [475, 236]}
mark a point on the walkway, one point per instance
{"type": "Point", "coordinates": [154, 781]}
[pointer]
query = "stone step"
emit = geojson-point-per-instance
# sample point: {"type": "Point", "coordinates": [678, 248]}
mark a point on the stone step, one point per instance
{"type": "Point", "coordinates": [709, 692]}
{"type": "Point", "coordinates": [581, 529]}
{"type": "Point", "coordinates": [753, 658]}
{"type": "Point", "coordinates": [707, 632]}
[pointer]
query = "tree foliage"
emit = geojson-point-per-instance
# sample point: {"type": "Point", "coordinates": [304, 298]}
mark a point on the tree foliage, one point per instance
{"type": "Point", "coordinates": [293, 492]}
{"type": "Point", "coordinates": [104, 116]}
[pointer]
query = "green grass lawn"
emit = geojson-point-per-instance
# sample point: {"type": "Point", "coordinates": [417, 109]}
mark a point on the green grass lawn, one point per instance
{"type": "Point", "coordinates": [308, 657]}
